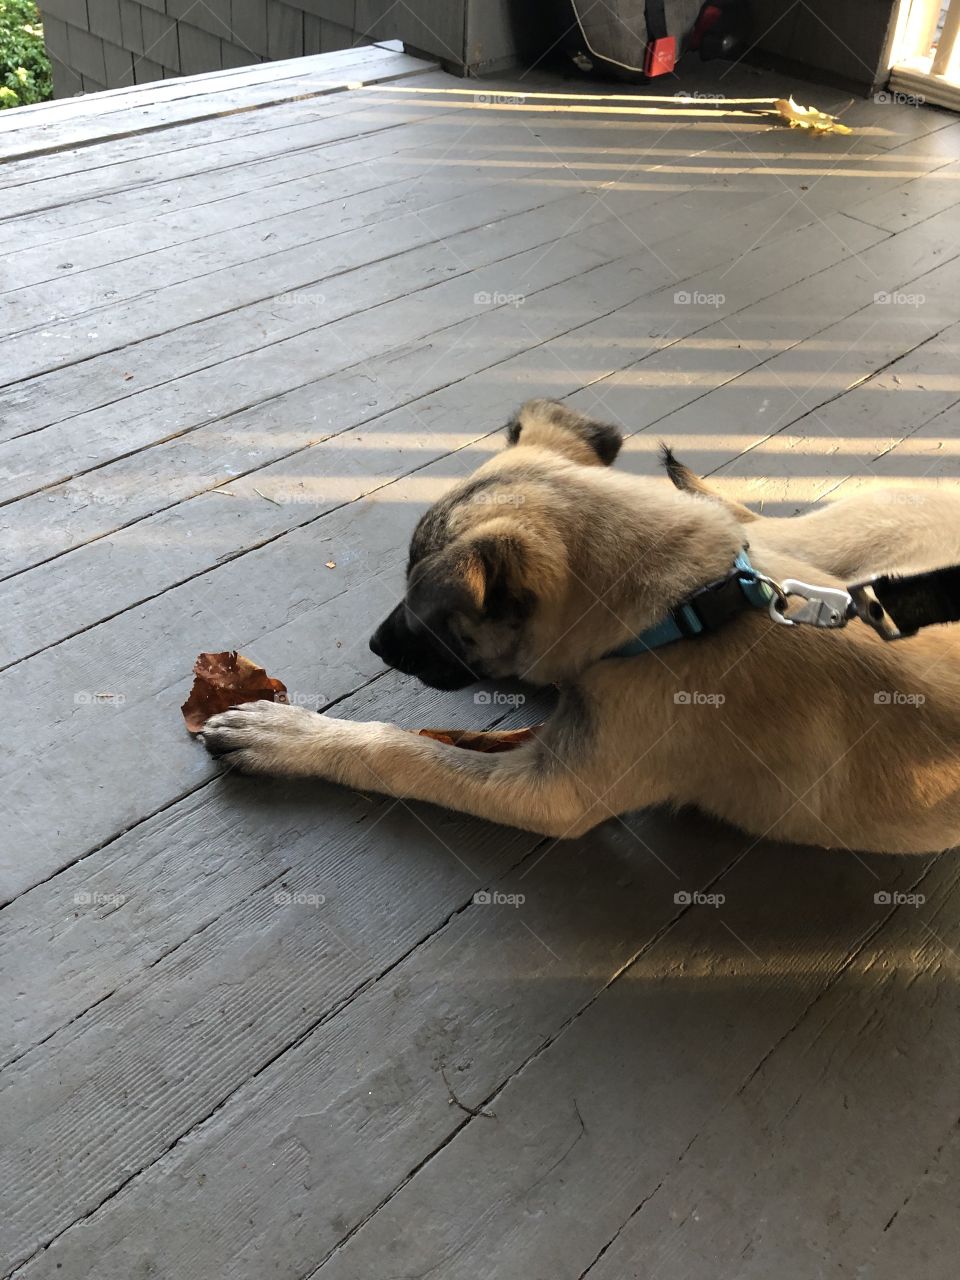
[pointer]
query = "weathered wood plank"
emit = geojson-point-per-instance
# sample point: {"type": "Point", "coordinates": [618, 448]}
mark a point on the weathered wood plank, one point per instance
{"type": "Point", "coordinates": [253, 163]}
{"type": "Point", "coordinates": [241, 988]}
{"type": "Point", "coordinates": [78, 163]}
{"type": "Point", "coordinates": [111, 167]}
{"type": "Point", "coordinates": [211, 175]}
{"type": "Point", "coordinates": [760, 163]}
{"type": "Point", "coordinates": [606, 1114]}
{"type": "Point", "coordinates": [72, 130]}
{"type": "Point", "coordinates": [829, 388]}
{"type": "Point", "coordinates": [261, 970]}
{"type": "Point", "coordinates": [816, 1119]}
{"type": "Point", "coordinates": [79, 339]}
{"type": "Point", "coordinates": [907, 1240]}
{"type": "Point", "coordinates": [315, 352]}
{"type": "Point", "coordinates": [329, 473]}
{"type": "Point", "coordinates": [329, 247]}
{"type": "Point", "coordinates": [913, 201]}
{"type": "Point", "coordinates": [281, 185]}
{"type": "Point", "coordinates": [370, 199]}
{"type": "Point", "coordinates": [29, 406]}
{"type": "Point", "coordinates": [50, 398]}
{"type": "Point", "coordinates": [849, 434]}
{"type": "Point", "coordinates": [598, 964]}
{"type": "Point", "coordinates": [110, 100]}
{"type": "Point", "coordinates": [424, 145]}
{"type": "Point", "coordinates": [487, 263]}
{"type": "Point", "coordinates": [894, 124]}
{"type": "Point", "coordinates": [915, 451]}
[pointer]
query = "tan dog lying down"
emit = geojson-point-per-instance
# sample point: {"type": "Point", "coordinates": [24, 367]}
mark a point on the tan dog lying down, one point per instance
{"type": "Point", "coordinates": [545, 560]}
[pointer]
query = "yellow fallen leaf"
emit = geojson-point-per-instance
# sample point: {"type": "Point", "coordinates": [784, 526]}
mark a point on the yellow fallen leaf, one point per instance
{"type": "Point", "coordinates": [331, 564]}
{"type": "Point", "coordinates": [808, 117]}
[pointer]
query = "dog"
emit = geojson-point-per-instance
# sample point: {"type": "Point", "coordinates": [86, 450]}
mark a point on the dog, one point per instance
{"type": "Point", "coordinates": [545, 561]}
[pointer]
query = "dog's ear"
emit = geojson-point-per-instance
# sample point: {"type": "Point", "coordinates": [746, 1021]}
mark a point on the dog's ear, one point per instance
{"type": "Point", "coordinates": [549, 425]}
{"type": "Point", "coordinates": [479, 577]}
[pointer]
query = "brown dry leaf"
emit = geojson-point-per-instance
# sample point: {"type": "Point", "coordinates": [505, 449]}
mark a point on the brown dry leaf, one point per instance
{"type": "Point", "coordinates": [494, 740]}
{"type": "Point", "coordinates": [331, 564]}
{"type": "Point", "coordinates": [809, 117]}
{"type": "Point", "coordinates": [223, 680]}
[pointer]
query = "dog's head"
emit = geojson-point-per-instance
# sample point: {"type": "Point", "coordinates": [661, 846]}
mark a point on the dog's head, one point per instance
{"type": "Point", "coordinates": [491, 556]}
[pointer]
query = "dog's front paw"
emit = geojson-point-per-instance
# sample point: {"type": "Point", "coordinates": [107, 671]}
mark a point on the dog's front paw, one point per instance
{"type": "Point", "coordinates": [265, 737]}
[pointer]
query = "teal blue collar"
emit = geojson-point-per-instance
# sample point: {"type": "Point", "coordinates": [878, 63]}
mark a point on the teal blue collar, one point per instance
{"type": "Point", "coordinates": [704, 610]}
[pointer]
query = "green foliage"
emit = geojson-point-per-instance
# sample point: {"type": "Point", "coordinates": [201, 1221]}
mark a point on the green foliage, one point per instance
{"type": "Point", "coordinates": [24, 66]}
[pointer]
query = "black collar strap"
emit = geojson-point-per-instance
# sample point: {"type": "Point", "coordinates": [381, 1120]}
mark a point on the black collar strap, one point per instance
{"type": "Point", "coordinates": [705, 610]}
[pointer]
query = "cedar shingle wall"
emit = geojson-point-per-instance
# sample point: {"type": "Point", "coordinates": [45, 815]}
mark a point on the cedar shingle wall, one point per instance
{"type": "Point", "coordinates": [107, 44]}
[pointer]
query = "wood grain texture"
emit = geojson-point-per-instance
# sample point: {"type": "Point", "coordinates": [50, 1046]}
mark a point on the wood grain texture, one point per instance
{"type": "Point", "coordinates": [680, 1036]}
{"type": "Point", "coordinates": [127, 116]}
{"type": "Point", "coordinates": [491, 975]}
{"type": "Point", "coordinates": [122, 166]}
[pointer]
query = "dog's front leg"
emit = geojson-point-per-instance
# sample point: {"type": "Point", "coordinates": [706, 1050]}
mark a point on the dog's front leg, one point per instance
{"type": "Point", "coordinates": [529, 787]}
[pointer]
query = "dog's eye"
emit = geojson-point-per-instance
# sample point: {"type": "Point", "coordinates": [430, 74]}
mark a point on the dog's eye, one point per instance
{"type": "Point", "coordinates": [462, 636]}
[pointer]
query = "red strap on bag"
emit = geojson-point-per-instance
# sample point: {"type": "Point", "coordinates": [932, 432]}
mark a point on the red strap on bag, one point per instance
{"type": "Point", "coordinates": [660, 57]}
{"type": "Point", "coordinates": [661, 53]}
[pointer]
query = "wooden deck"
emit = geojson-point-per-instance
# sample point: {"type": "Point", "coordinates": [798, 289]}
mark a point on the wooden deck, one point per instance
{"type": "Point", "coordinates": [252, 324]}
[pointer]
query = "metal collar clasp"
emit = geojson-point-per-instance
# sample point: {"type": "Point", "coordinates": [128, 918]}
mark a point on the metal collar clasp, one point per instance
{"type": "Point", "coordinates": [825, 607]}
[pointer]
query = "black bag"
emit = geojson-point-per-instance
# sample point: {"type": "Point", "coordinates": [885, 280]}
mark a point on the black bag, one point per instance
{"type": "Point", "coordinates": [616, 37]}
{"type": "Point", "coordinates": [641, 39]}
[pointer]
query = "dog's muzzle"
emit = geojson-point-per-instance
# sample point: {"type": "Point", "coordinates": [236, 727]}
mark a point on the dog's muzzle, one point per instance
{"type": "Point", "coordinates": [423, 653]}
